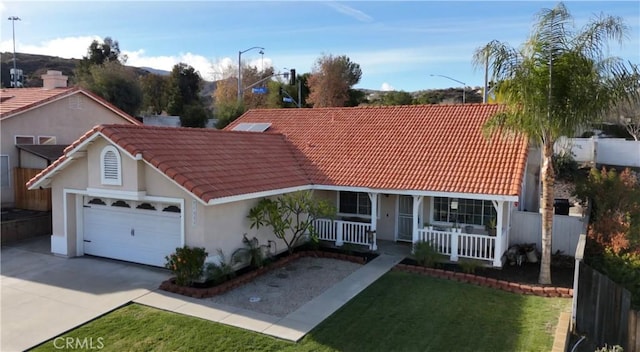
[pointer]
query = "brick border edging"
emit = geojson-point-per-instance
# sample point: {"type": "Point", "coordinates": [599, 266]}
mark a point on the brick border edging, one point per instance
{"type": "Point", "coordinates": [507, 286]}
{"type": "Point", "coordinates": [195, 292]}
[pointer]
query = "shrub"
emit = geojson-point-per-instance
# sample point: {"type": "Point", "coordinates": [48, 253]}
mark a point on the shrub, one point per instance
{"type": "Point", "coordinates": [251, 255]}
{"type": "Point", "coordinates": [564, 165]}
{"type": "Point", "coordinates": [425, 255]}
{"type": "Point", "coordinates": [623, 269]}
{"type": "Point", "coordinates": [219, 273]}
{"type": "Point", "coordinates": [615, 208]}
{"type": "Point", "coordinates": [186, 264]}
{"type": "Point", "coordinates": [468, 266]}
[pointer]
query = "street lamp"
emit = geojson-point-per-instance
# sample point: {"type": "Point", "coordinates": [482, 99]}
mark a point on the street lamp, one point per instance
{"type": "Point", "coordinates": [464, 85]}
{"type": "Point", "coordinates": [240, 69]}
{"type": "Point", "coordinates": [13, 20]}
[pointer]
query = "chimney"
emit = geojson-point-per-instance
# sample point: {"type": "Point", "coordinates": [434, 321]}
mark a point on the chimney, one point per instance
{"type": "Point", "coordinates": [54, 79]}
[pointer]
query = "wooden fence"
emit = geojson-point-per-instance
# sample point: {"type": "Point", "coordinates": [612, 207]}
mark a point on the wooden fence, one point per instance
{"type": "Point", "coordinates": [634, 331]}
{"type": "Point", "coordinates": [603, 310]}
{"type": "Point", "coordinates": [33, 200]}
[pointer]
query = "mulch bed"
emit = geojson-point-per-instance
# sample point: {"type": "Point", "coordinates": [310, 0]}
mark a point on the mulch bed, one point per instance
{"type": "Point", "coordinates": [246, 275]}
{"type": "Point", "coordinates": [518, 279]}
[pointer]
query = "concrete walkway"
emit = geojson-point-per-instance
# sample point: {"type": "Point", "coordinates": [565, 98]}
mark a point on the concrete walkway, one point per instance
{"type": "Point", "coordinates": [292, 327]}
{"type": "Point", "coordinates": [43, 295]}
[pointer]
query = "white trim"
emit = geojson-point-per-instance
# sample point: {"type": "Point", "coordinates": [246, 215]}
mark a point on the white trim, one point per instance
{"type": "Point", "coordinates": [79, 224]}
{"type": "Point", "coordinates": [117, 181]}
{"type": "Point", "coordinates": [408, 192]}
{"type": "Point", "coordinates": [15, 139]}
{"type": "Point", "coordinates": [255, 195]}
{"type": "Point", "coordinates": [110, 193]}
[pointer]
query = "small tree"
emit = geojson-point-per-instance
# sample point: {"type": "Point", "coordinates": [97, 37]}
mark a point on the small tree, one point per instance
{"type": "Point", "coordinates": [291, 216]}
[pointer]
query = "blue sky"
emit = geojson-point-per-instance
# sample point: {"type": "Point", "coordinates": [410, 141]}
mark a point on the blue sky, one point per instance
{"type": "Point", "coordinates": [398, 45]}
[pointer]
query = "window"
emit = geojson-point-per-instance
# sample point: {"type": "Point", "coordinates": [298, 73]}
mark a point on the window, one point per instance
{"type": "Point", "coordinates": [470, 211]}
{"type": "Point", "coordinates": [46, 140]}
{"type": "Point", "coordinates": [4, 171]}
{"type": "Point", "coordinates": [97, 201]}
{"type": "Point", "coordinates": [146, 206]}
{"type": "Point", "coordinates": [172, 209]}
{"type": "Point", "coordinates": [354, 203]}
{"type": "Point", "coordinates": [120, 203]}
{"type": "Point", "coordinates": [25, 139]}
{"type": "Point", "coordinates": [110, 166]}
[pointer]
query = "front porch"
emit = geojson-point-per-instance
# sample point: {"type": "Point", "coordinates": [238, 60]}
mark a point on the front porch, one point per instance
{"type": "Point", "coordinates": [452, 242]}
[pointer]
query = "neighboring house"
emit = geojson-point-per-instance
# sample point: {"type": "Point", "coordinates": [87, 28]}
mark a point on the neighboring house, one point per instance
{"type": "Point", "coordinates": [171, 121]}
{"type": "Point", "coordinates": [37, 123]}
{"type": "Point", "coordinates": [137, 192]}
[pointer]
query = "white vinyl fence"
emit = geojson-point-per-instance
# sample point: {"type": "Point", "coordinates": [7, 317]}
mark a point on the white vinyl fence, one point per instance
{"type": "Point", "coordinates": [526, 227]}
{"type": "Point", "coordinates": [609, 151]}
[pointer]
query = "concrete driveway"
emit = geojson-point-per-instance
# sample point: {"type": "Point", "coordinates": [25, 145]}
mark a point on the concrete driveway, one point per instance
{"type": "Point", "coordinates": [43, 295]}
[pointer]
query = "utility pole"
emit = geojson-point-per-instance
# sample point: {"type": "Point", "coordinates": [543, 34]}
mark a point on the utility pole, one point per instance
{"type": "Point", "coordinates": [13, 20]}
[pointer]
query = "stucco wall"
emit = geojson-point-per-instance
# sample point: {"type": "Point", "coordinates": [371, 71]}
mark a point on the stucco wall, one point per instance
{"type": "Point", "coordinates": [225, 225]}
{"type": "Point", "coordinates": [30, 161]}
{"type": "Point", "coordinates": [133, 171]}
{"type": "Point", "coordinates": [73, 177]}
{"type": "Point", "coordinates": [67, 119]}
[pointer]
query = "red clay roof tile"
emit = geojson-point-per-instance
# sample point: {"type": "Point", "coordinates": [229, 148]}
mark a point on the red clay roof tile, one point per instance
{"type": "Point", "coordinates": [16, 100]}
{"type": "Point", "coordinates": [426, 148]}
{"type": "Point", "coordinates": [430, 148]}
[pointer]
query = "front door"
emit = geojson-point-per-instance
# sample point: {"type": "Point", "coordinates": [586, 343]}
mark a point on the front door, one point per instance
{"type": "Point", "coordinates": [405, 218]}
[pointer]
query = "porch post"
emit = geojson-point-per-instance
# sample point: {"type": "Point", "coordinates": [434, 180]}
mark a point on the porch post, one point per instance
{"type": "Point", "coordinates": [417, 202]}
{"type": "Point", "coordinates": [373, 197]}
{"type": "Point", "coordinates": [497, 260]}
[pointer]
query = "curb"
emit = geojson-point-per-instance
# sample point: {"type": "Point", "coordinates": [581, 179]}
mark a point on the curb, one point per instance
{"type": "Point", "coordinates": [514, 287]}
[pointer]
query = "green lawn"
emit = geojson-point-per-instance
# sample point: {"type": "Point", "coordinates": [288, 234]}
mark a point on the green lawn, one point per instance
{"type": "Point", "coordinates": [399, 312]}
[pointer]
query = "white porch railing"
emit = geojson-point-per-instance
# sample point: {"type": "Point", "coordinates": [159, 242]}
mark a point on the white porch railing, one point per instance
{"type": "Point", "coordinates": [456, 244]}
{"type": "Point", "coordinates": [341, 232]}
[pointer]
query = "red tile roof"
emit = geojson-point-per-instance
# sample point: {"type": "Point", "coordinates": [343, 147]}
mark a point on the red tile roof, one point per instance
{"type": "Point", "coordinates": [428, 148]}
{"type": "Point", "coordinates": [17, 100]}
{"type": "Point", "coordinates": [208, 163]}
{"type": "Point", "coordinates": [437, 148]}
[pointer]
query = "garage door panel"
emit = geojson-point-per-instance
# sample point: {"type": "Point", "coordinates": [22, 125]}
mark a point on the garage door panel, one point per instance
{"type": "Point", "coordinates": [141, 236]}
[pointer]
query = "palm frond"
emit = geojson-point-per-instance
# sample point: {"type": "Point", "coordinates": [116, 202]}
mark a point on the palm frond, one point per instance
{"type": "Point", "coordinates": [598, 31]}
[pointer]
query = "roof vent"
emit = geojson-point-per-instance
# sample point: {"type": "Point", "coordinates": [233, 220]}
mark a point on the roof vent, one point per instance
{"type": "Point", "coordinates": [54, 79]}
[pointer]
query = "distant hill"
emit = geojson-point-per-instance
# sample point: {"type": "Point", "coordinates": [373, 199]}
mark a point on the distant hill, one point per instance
{"type": "Point", "coordinates": [33, 66]}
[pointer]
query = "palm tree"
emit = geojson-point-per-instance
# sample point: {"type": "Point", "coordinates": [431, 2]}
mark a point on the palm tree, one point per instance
{"type": "Point", "coordinates": [558, 80]}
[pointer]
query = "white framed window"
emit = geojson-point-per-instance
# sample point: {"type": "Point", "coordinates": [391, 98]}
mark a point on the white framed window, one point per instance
{"type": "Point", "coordinates": [110, 166]}
{"type": "Point", "coordinates": [470, 211]}
{"type": "Point", "coordinates": [46, 140]}
{"type": "Point", "coordinates": [354, 203]}
{"type": "Point", "coordinates": [5, 171]}
{"type": "Point", "coordinates": [24, 140]}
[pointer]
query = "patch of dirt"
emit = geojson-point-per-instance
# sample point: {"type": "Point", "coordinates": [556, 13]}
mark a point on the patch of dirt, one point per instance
{"type": "Point", "coordinates": [282, 291]}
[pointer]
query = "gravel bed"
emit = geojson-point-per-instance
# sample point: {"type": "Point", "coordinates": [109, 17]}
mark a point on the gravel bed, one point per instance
{"type": "Point", "coordinates": [282, 291]}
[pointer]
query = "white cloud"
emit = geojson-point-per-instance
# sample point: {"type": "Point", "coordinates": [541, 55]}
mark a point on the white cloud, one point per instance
{"type": "Point", "coordinates": [69, 47]}
{"type": "Point", "coordinates": [386, 87]}
{"type": "Point", "coordinates": [350, 11]}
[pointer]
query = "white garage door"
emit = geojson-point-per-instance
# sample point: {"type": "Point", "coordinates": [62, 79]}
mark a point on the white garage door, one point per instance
{"type": "Point", "coordinates": [138, 232]}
